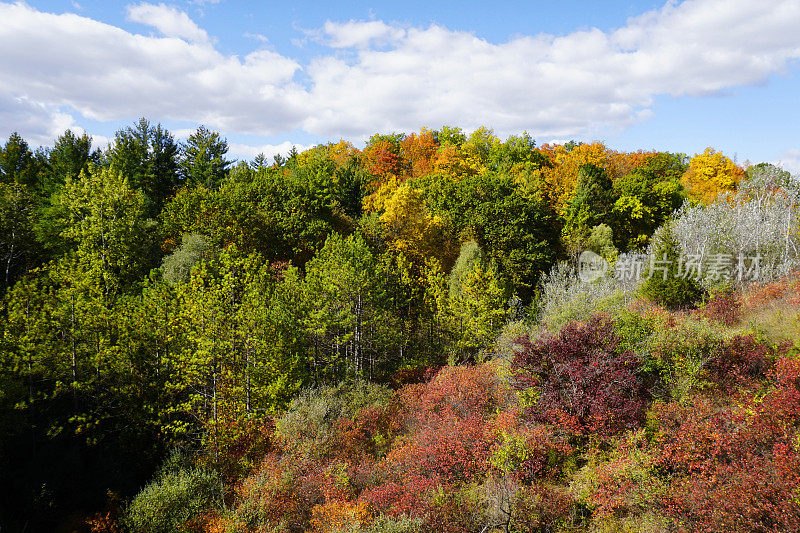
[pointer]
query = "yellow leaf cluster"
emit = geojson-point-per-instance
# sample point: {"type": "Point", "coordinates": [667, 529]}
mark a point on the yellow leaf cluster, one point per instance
{"type": "Point", "coordinates": [338, 516]}
{"type": "Point", "coordinates": [709, 174]}
{"type": "Point", "coordinates": [341, 152]}
{"type": "Point", "coordinates": [409, 228]}
{"type": "Point", "coordinates": [561, 177]}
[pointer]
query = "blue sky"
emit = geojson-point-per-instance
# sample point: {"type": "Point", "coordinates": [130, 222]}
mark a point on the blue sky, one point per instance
{"type": "Point", "coordinates": [678, 76]}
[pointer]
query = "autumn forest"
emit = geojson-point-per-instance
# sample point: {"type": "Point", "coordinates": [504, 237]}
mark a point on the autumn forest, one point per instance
{"type": "Point", "coordinates": [432, 331]}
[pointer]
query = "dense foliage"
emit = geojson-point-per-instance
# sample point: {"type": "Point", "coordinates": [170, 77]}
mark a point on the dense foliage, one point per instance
{"type": "Point", "coordinates": [396, 338]}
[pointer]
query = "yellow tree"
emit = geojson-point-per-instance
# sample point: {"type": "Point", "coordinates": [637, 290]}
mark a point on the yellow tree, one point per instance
{"type": "Point", "coordinates": [411, 230]}
{"type": "Point", "coordinates": [561, 177]}
{"type": "Point", "coordinates": [451, 161]}
{"type": "Point", "coordinates": [478, 149]}
{"type": "Point", "coordinates": [342, 151]}
{"type": "Point", "coordinates": [709, 174]}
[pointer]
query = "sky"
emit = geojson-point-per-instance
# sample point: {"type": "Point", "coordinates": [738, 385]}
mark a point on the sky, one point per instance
{"type": "Point", "coordinates": [675, 76]}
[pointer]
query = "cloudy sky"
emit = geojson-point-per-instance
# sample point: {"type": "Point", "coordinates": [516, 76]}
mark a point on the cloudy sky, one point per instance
{"type": "Point", "coordinates": [678, 76]}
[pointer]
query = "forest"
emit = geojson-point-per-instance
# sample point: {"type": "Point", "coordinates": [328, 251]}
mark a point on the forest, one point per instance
{"type": "Point", "coordinates": [438, 331]}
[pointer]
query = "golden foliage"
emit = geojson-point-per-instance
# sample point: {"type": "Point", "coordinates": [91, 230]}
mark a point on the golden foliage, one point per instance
{"type": "Point", "coordinates": [341, 152]}
{"type": "Point", "coordinates": [452, 161]}
{"type": "Point", "coordinates": [561, 177]}
{"type": "Point", "coordinates": [418, 152]}
{"type": "Point", "coordinates": [709, 174]}
{"type": "Point", "coordinates": [337, 516]}
{"type": "Point", "coordinates": [409, 228]}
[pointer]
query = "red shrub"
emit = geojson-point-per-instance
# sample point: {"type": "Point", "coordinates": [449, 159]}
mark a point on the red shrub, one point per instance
{"type": "Point", "coordinates": [417, 374]}
{"type": "Point", "coordinates": [582, 381]}
{"type": "Point", "coordinates": [408, 495]}
{"type": "Point", "coordinates": [740, 361]}
{"type": "Point", "coordinates": [724, 306]}
{"type": "Point", "coordinates": [456, 391]}
{"type": "Point", "coordinates": [528, 452]}
{"type": "Point", "coordinates": [458, 450]}
{"type": "Point", "coordinates": [735, 469]}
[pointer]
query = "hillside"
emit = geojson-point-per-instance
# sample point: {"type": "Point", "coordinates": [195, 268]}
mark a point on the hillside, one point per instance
{"type": "Point", "coordinates": [439, 331]}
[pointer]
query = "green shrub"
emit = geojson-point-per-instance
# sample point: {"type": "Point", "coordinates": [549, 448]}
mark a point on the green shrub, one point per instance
{"type": "Point", "coordinates": [601, 242]}
{"type": "Point", "coordinates": [566, 298]}
{"type": "Point", "coordinates": [669, 287]}
{"type": "Point", "coordinates": [678, 355]}
{"type": "Point", "coordinates": [176, 496]}
{"type": "Point", "coordinates": [633, 330]}
{"type": "Point", "coordinates": [469, 256]}
{"type": "Point", "coordinates": [506, 345]}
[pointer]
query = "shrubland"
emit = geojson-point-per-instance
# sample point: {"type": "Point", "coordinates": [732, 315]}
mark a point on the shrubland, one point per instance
{"type": "Point", "coordinates": [396, 338]}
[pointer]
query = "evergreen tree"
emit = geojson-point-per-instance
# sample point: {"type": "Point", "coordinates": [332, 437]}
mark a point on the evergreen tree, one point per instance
{"type": "Point", "coordinates": [203, 158]}
{"type": "Point", "coordinates": [18, 245]}
{"type": "Point", "coordinates": [147, 156]}
{"type": "Point", "coordinates": [666, 283]}
{"type": "Point", "coordinates": [104, 220]}
{"type": "Point", "coordinates": [67, 159]}
{"type": "Point", "coordinates": [349, 328]}
{"type": "Point", "coordinates": [17, 162]}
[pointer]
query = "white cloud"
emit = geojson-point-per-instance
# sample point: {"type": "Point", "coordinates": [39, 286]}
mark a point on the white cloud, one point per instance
{"type": "Point", "coordinates": [257, 37]}
{"type": "Point", "coordinates": [106, 74]}
{"type": "Point", "coordinates": [377, 76]}
{"type": "Point", "coordinates": [355, 34]}
{"type": "Point", "coordinates": [168, 20]}
{"type": "Point", "coordinates": [36, 122]}
{"type": "Point", "coordinates": [248, 152]}
{"type": "Point", "coordinates": [577, 85]}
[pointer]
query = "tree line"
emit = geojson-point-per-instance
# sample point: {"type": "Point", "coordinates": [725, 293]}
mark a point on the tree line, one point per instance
{"type": "Point", "coordinates": [159, 295]}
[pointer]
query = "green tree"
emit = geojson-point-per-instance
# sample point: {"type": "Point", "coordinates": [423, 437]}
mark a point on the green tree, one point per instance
{"type": "Point", "coordinates": [152, 335]}
{"type": "Point", "coordinates": [18, 245]}
{"type": "Point", "coordinates": [83, 401]}
{"type": "Point", "coordinates": [644, 202]}
{"type": "Point", "coordinates": [665, 282]}
{"type": "Point", "coordinates": [452, 135]}
{"type": "Point", "coordinates": [69, 156]}
{"type": "Point", "coordinates": [239, 361]}
{"type": "Point", "coordinates": [516, 155]}
{"type": "Point", "coordinates": [477, 311]}
{"type": "Point", "coordinates": [516, 230]}
{"type": "Point", "coordinates": [203, 158]}
{"type": "Point", "coordinates": [589, 206]}
{"type": "Point", "coordinates": [177, 267]}
{"type": "Point", "coordinates": [104, 220]}
{"type": "Point", "coordinates": [601, 242]}
{"type": "Point", "coordinates": [147, 156]}
{"type": "Point", "coordinates": [346, 321]}
{"type": "Point", "coordinates": [17, 162]}
{"type": "Point", "coordinates": [469, 256]}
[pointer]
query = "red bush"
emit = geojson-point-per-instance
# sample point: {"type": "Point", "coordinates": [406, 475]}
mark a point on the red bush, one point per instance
{"type": "Point", "coordinates": [407, 495]}
{"type": "Point", "coordinates": [528, 452]}
{"type": "Point", "coordinates": [742, 360]}
{"type": "Point", "coordinates": [724, 306]}
{"type": "Point", "coordinates": [457, 450]}
{"type": "Point", "coordinates": [456, 391]}
{"type": "Point", "coordinates": [582, 381]}
{"type": "Point", "coordinates": [735, 468]}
